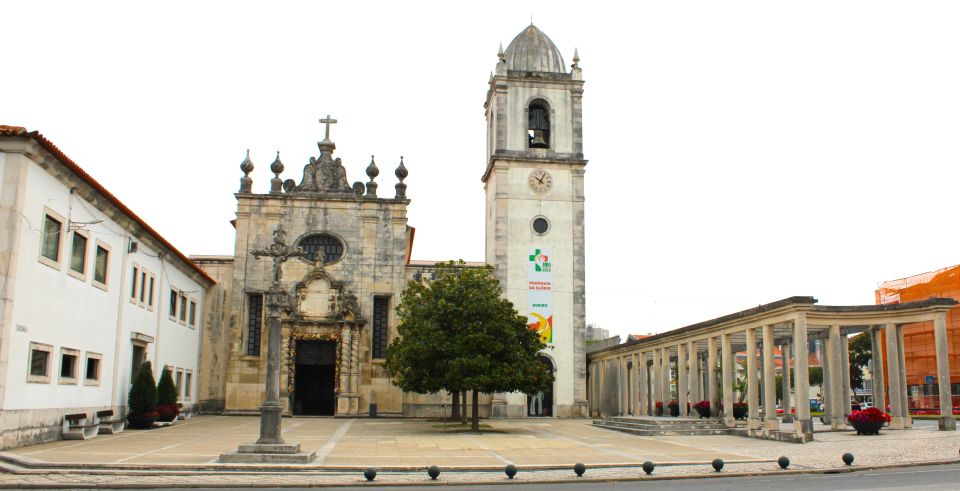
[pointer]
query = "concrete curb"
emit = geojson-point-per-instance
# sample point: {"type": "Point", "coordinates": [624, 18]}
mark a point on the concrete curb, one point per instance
{"type": "Point", "coordinates": [428, 482]}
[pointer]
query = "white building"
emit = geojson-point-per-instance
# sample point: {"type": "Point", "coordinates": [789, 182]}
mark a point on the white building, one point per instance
{"type": "Point", "coordinates": [88, 291]}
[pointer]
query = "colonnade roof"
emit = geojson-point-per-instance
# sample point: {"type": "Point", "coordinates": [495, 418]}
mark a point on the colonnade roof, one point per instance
{"type": "Point", "coordinates": [781, 315]}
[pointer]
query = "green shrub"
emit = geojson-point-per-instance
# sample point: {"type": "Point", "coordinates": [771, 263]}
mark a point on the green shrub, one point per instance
{"type": "Point", "coordinates": [166, 390]}
{"type": "Point", "coordinates": [142, 398]}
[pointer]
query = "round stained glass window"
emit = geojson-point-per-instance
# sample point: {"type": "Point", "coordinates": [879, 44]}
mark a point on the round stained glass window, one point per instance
{"type": "Point", "coordinates": [325, 247]}
{"type": "Point", "coordinates": [540, 225]}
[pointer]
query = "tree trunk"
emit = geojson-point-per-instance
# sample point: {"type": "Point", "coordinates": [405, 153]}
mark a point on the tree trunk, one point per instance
{"type": "Point", "coordinates": [455, 408]}
{"type": "Point", "coordinates": [463, 412]}
{"type": "Point", "coordinates": [475, 425]}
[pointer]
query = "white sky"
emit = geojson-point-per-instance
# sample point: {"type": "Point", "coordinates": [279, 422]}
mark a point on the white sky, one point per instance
{"type": "Point", "coordinates": [740, 152]}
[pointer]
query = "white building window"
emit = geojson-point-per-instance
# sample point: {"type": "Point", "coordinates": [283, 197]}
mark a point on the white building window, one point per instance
{"type": "Point", "coordinates": [187, 381]}
{"type": "Point", "coordinates": [183, 308]}
{"type": "Point", "coordinates": [91, 369]}
{"type": "Point", "coordinates": [78, 256]}
{"type": "Point", "coordinates": [39, 369]}
{"type": "Point", "coordinates": [68, 365]}
{"type": "Point", "coordinates": [174, 300]}
{"type": "Point", "coordinates": [100, 265]}
{"type": "Point", "coordinates": [50, 234]}
{"type": "Point", "coordinates": [192, 318]}
{"type": "Point", "coordinates": [135, 277]}
{"type": "Point", "coordinates": [142, 299]}
{"type": "Point", "coordinates": [150, 290]}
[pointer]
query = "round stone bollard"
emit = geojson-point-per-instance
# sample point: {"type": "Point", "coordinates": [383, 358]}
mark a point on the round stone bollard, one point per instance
{"type": "Point", "coordinates": [433, 472]}
{"type": "Point", "coordinates": [648, 467]}
{"type": "Point", "coordinates": [783, 462]}
{"type": "Point", "coordinates": [579, 469]}
{"type": "Point", "coordinates": [717, 464]}
{"type": "Point", "coordinates": [847, 458]}
{"type": "Point", "coordinates": [370, 473]}
{"type": "Point", "coordinates": [510, 471]}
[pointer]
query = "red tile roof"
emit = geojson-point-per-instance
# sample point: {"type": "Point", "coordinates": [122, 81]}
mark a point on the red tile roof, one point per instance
{"type": "Point", "coordinates": [6, 130]}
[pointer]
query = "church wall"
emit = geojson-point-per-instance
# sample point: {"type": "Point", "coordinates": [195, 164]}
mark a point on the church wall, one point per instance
{"type": "Point", "coordinates": [373, 264]}
{"type": "Point", "coordinates": [215, 348]}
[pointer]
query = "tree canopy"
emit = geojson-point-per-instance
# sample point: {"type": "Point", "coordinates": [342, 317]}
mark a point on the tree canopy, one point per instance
{"type": "Point", "coordinates": [457, 333]}
{"type": "Point", "coordinates": [861, 351]}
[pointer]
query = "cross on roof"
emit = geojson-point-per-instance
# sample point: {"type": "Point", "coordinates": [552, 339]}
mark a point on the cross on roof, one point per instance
{"type": "Point", "coordinates": [327, 121]}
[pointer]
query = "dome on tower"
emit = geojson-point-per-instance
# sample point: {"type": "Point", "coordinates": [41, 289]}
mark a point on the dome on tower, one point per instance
{"type": "Point", "coordinates": [533, 51]}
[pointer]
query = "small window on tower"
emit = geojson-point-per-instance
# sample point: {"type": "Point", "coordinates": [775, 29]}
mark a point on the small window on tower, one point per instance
{"type": "Point", "coordinates": [538, 127]}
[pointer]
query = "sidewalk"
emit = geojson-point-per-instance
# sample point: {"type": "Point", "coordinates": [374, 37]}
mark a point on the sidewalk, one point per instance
{"type": "Point", "coordinates": [543, 449]}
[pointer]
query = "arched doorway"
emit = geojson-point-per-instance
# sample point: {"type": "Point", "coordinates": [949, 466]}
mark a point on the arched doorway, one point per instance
{"type": "Point", "coordinates": [541, 404]}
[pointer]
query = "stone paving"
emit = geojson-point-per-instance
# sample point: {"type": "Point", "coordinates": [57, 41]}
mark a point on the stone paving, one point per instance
{"type": "Point", "coordinates": [185, 454]}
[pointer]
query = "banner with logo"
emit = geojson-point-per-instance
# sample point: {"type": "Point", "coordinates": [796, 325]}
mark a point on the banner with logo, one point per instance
{"type": "Point", "coordinates": [540, 293]}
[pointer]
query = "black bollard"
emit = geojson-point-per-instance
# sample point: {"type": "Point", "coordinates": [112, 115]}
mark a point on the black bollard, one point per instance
{"type": "Point", "coordinates": [579, 469]}
{"type": "Point", "coordinates": [847, 458]}
{"type": "Point", "coordinates": [433, 472]}
{"type": "Point", "coordinates": [717, 464]}
{"type": "Point", "coordinates": [783, 462]}
{"type": "Point", "coordinates": [648, 467]}
{"type": "Point", "coordinates": [370, 473]}
{"type": "Point", "coordinates": [510, 471]}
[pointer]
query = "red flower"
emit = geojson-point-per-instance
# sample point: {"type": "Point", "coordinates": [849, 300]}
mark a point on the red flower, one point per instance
{"type": "Point", "coordinates": [869, 415]}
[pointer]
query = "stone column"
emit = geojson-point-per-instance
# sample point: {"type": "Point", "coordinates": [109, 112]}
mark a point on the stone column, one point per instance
{"type": "Point", "coordinates": [753, 385]}
{"type": "Point", "coordinates": [644, 395]}
{"type": "Point", "coordinates": [682, 394]}
{"type": "Point", "coordinates": [893, 376]}
{"type": "Point", "coordinates": [726, 363]}
{"type": "Point", "coordinates": [655, 381]}
{"type": "Point", "coordinates": [270, 410]}
{"type": "Point", "coordinates": [694, 373]}
{"type": "Point", "coordinates": [876, 369]}
{"type": "Point", "coordinates": [711, 369]}
{"type": "Point", "coordinates": [904, 393]}
{"type": "Point", "coordinates": [845, 372]}
{"type": "Point", "coordinates": [665, 369]}
{"type": "Point", "coordinates": [621, 385]}
{"type": "Point", "coordinates": [802, 423]}
{"type": "Point", "coordinates": [785, 378]}
{"type": "Point", "coordinates": [769, 382]}
{"type": "Point", "coordinates": [947, 423]}
{"type": "Point", "coordinates": [343, 400]}
{"type": "Point", "coordinates": [823, 348]}
{"type": "Point", "coordinates": [835, 406]}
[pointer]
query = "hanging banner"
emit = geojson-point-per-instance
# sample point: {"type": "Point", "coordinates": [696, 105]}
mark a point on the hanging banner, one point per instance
{"type": "Point", "coordinates": [540, 293]}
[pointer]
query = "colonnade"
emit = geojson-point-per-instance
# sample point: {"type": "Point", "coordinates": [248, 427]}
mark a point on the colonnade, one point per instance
{"type": "Point", "coordinates": [699, 362]}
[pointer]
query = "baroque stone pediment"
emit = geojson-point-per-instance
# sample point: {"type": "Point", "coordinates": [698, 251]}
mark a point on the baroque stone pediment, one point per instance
{"type": "Point", "coordinates": [319, 297]}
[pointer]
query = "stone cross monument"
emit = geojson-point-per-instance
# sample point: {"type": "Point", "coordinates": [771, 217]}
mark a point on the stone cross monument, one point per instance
{"type": "Point", "coordinates": [270, 447]}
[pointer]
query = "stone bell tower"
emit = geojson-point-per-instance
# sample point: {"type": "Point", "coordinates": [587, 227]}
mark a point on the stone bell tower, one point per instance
{"type": "Point", "coordinates": [535, 211]}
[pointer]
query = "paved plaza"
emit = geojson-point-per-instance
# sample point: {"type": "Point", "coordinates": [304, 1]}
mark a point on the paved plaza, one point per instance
{"type": "Point", "coordinates": [185, 454]}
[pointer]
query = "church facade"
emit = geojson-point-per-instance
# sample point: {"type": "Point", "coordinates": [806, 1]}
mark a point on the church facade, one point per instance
{"type": "Point", "coordinates": [339, 316]}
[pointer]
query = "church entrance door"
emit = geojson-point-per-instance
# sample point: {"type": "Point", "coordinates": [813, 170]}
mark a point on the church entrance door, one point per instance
{"type": "Point", "coordinates": [541, 403]}
{"type": "Point", "coordinates": [315, 388]}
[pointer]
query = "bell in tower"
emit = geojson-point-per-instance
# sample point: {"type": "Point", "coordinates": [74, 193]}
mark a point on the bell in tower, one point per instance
{"type": "Point", "coordinates": [538, 130]}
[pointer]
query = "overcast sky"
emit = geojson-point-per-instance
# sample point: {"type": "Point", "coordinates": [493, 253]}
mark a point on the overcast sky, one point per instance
{"type": "Point", "coordinates": [740, 152]}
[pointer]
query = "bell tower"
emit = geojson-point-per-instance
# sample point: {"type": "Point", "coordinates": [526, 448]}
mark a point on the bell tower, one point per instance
{"type": "Point", "coordinates": [535, 211]}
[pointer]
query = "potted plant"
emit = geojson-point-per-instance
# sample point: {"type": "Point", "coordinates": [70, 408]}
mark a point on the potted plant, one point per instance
{"type": "Point", "coordinates": [868, 421]}
{"type": "Point", "coordinates": [703, 408]}
{"type": "Point", "coordinates": [740, 410]}
{"type": "Point", "coordinates": [142, 399]}
{"type": "Point", "coordinates": [674, 408]}
{"type": "Point", "coordinates": [167, 407]}
{"type": "Point", "coordinates": [658, 408]}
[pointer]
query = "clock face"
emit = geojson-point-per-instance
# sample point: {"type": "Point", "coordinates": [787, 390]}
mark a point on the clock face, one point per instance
{"type": "Point", "coordinates": [540, 181]}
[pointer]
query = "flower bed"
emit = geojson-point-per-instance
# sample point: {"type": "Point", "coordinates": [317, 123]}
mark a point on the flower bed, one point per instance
{"type": "Point", "coordinates": [703, 408]}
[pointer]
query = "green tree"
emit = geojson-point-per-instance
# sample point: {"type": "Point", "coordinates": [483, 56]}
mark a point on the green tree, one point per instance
{"type": "Point", "coordinates": [142, 398]}
{"type": "Point", "coordinates": [458, 334]}
{"type": "Point", "coordinates": [816, 376]}
{"type": "Point", "coordinates": [861, 351]}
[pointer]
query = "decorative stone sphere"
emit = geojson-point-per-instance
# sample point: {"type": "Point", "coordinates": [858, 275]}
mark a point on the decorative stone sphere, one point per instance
{"type": "Point", "coordinates": [847, 458]}
{"type": "Point", "coordinates": [648, 467]}
{"type": "Point", "coordinates": [433, 472]}
{"type": "Point", "coordinates": [247, 165]}
{"type": "Point", "coordinates": [510, 470]}
{"type": "Point", "coordinates": [783, 462]}
{"type": "Point", "coordinates": [277, 166]}
{"type": "Point", "coordinates": [372, 169]}
{"type": "Point", "coordinates": [370, 473]}
{"type": "Point", "coordinates": [579, 469]}
{"type": "Point", "coordinates": [401, 171]}
{"type": "Point", "coordinates": [717, 464]}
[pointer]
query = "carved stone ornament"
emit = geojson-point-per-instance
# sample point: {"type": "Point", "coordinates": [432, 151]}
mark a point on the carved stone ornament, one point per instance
{"type": "Point", "coordinates": [320, 297]}
{"type": "Point", "coordinates": [280, 252]}
{"type": "Point", "coordinates": [325, 175]}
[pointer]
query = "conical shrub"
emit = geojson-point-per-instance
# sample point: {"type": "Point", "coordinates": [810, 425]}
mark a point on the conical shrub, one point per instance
{"type": "Point", "coordinates": [142, 398]}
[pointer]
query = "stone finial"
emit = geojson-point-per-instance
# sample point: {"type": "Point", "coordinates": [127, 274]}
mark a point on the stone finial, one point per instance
{"type": "Point", "coordinates": [576, 59]}
{"type": "Point", "coordinates": [401, 174]}
{"type": "Point", "coordinates": [372, 172]}
{"type": "Point", "coordinates": [276, 184]}
{"type": "Point", "coordinates": [246, 182]}
{"type": "Point", "coordinates": [501, 55]}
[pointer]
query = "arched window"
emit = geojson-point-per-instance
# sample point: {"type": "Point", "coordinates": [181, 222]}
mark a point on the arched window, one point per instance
{"type": "Point", "coordinates": [538, 124]}
{"type": "Point", "coordinates": [322, 246]}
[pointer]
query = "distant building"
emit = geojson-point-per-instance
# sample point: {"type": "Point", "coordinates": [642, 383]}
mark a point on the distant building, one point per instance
{"type": "Point", "coordinates": [919, 347]}
{"type": "Point", "coordinates": [595, 333]}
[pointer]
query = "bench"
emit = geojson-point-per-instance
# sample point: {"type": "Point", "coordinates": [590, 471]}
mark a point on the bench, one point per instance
{"type": "Point", "coordinates": [108, 423]}
{"type": "Point", "coordinates": [78, 427]}
{"type": "Point", "coordinates": [185, 412]}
